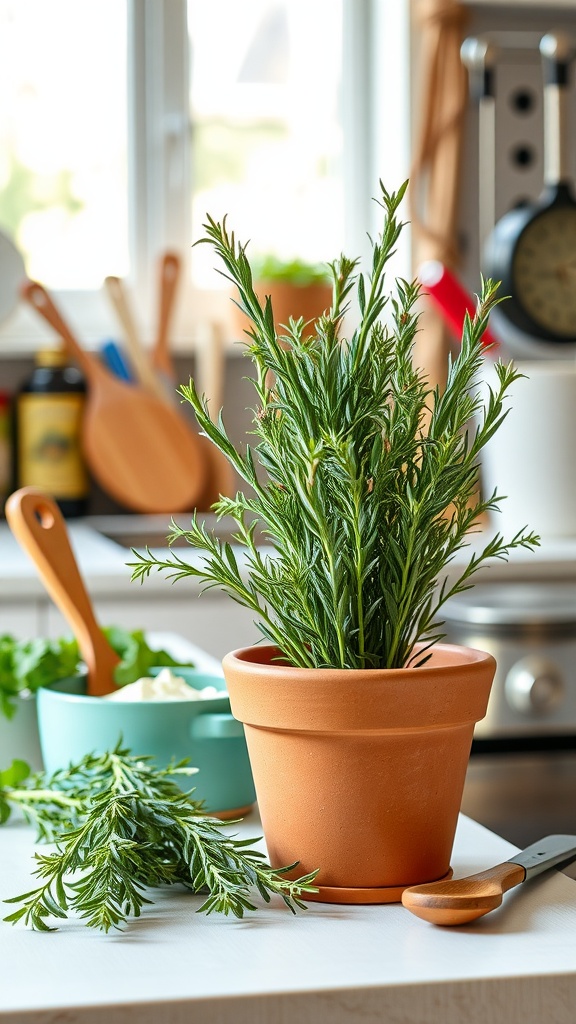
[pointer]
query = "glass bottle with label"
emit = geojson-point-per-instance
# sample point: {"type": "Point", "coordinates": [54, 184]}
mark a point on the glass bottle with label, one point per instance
{"type": "Point", "coordinates": [49, 409]}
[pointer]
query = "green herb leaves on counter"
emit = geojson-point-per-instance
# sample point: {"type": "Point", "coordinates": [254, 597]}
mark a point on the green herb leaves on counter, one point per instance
{"type": "Point", "coordinates": [123, 827]}
{"type": "Point", "coordinates": [29, 664]}
{"type": "Point", "coordinates": [10, 778]}
{"type": "Point", "coordinates": [48, 808]}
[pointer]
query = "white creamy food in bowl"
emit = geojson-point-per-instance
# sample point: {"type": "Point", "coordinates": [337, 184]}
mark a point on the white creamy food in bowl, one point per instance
{"type": "Point", "coordinates": [165, 686]}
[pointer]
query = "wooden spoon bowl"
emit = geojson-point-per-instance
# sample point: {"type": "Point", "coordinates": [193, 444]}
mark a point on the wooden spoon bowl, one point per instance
{"type": "Point", "coordinates": [461, 900]}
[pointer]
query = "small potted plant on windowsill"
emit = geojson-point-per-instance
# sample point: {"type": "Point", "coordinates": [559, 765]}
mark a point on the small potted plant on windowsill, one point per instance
{"type": "Point", "coordinates": [296, 288]}
{"type": "Point", "coordinates": [359, 720]}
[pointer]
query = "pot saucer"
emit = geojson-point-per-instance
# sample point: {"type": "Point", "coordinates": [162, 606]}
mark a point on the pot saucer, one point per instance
{"type": "Point", "coordinates": [386, 894]}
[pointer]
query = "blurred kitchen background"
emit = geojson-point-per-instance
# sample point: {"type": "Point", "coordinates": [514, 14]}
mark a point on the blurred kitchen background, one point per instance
{"type": "Point", "coordinates": [123, 124]}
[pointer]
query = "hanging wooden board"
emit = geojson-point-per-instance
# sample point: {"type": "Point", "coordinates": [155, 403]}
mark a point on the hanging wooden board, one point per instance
{"type": "Point", "coordinates": [141, 451]}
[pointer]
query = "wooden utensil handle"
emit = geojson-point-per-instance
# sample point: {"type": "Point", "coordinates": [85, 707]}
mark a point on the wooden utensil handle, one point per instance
{"type": "Point", "coordinates": [170, 270]}
{"type": "Point", "coordinates": [170, 276]}
{"type": "Point", "coordinates": [142, 365]}
{"type": "Point", "coordinates": [210, 365]}
{"type": "Point", "coordinates": [503, 876]}
{"type": "Point", "coordinates": [37, 297]}
{"type": "Point", "coordinates": [460, 900]}
{"type": "Point", "coordinates": [38, 525]}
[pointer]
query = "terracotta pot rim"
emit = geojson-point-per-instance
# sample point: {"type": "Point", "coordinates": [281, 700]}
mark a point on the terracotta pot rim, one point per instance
{"type": "Point", "coordinates": [445, 657]}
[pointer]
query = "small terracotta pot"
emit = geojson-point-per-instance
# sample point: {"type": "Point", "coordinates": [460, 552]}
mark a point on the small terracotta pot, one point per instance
{"type": "Point", "coordinates": [288, 300]}
{"type": "Point", "coordinates": [357, 772]}
{"type": "Point", "coordinates": [292, 300]}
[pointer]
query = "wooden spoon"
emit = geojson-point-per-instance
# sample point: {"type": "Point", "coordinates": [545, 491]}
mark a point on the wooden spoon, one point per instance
{"type": "Point", "coordinates": [461, 900]}
{"type": "Point", "coordinates": [140, 449]}
{"type": "Point", "coordinates": [170, 272]}
{"type": "Point", "coordinates": [38, 525]}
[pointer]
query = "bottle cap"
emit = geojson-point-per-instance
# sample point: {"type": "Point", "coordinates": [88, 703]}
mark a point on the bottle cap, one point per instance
{"type": "Point", "coordinates": [51, 357]}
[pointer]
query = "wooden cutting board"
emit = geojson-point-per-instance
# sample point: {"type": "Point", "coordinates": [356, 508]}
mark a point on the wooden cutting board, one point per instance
{"type": "Point", "coordinates": [141, 451]}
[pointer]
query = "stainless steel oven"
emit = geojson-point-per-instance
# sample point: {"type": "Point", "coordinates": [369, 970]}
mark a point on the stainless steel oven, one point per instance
{"type": "Point", "coordinates": [521, 779]}
{"type": "Point", "coordinates": [530, 628]}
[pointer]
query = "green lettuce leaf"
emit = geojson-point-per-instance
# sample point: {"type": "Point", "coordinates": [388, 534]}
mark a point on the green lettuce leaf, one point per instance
{"type": "Point", "coordinates": [136, 654]}
{"type": "Point", "coordinates": [30, 664]}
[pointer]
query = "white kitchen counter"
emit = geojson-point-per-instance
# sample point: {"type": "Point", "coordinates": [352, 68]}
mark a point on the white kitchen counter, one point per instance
{"type": "Point", "coordinates": [103, 563]}
{"type": "Point", "coordinates": [375, 965]}
{"type": "Point", "coordinates": [211, 620]}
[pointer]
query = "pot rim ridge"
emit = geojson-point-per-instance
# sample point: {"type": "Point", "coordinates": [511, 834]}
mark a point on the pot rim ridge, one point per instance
{"type": "Point", "coordinates": [445, 656]}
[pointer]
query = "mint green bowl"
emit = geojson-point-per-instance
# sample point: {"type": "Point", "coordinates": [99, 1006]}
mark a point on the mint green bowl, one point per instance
{"type": "Point", "coordinates": [72, 725]}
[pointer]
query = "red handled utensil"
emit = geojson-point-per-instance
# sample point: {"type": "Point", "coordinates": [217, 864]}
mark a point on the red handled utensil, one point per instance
{"type": "Point", "coordinates": [451, 298]}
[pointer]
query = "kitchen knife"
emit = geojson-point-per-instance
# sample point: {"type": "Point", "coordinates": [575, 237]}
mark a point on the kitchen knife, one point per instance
{"type": "Point", "coordinates": [460, 900]}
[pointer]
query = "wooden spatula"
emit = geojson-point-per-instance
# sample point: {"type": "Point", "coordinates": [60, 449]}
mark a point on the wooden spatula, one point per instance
{"type": "Point", "coordinates": [38, 526]}
{"type": "Point", "coordinates": [461, 900]}
{"type": "Point", "coordinates": [141, 450]}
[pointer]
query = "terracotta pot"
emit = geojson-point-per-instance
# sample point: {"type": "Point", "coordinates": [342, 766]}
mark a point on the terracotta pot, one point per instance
{"type": "Point", "coordinates": [288, 300]}
{"type": "Point", "coordinates": [360, 772]}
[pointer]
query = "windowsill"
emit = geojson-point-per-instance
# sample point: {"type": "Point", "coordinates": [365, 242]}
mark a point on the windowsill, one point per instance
{"type": "Point", "coordinates": [92, 321]}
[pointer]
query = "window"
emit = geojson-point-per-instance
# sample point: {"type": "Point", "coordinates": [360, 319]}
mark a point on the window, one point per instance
{"type": "Point", "coordinates": [123, 123]}
{"type": "Point", "coordinates": [63, 138]}
{"type": "Point", "coordinates": [266, 125]}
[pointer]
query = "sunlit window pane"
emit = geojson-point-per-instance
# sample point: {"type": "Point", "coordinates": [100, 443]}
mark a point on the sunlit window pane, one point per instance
{"type": "Point", "coordinates": [267, 136]}
{"type": "Point", "coordinates": [63, 138]}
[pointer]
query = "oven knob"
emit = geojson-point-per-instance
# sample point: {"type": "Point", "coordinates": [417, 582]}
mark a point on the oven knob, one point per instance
{"type": "Point", "coordinates": [534, 686]}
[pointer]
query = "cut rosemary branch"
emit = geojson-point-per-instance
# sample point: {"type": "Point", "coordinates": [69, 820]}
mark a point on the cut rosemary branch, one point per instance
{"type": "Point", "coordinates": [122, 827]}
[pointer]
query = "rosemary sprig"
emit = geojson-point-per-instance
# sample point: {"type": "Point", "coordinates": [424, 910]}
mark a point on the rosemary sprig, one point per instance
{"type": "Point", "coordinates": [122, 827]}
{"type": "Point", "coordinates": [370, 483]}
{"type": "Point", "coordinates": [46, 805]}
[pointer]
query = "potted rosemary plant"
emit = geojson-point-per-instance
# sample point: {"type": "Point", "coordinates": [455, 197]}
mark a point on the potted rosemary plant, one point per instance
{"type": "Point", "coordinates": [359, 720]}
